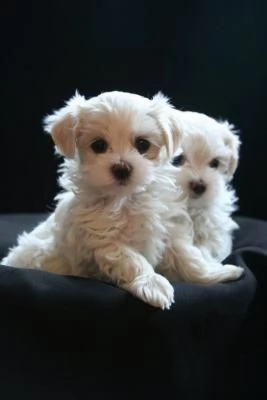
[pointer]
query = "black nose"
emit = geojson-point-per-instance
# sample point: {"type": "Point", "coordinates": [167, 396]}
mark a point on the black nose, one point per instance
{"type": "Point", "coordinates": [121, 171]}
{"type": "Point", "coordinates": [198, 187]}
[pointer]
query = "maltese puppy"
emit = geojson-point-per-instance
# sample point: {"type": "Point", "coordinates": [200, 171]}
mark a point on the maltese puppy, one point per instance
{"type": "Point", "coordinates": [120, 214]}
{"type": "Point", "coordinates": [110, 221]}
{"type": "Point", "coordinates": [205, 165]}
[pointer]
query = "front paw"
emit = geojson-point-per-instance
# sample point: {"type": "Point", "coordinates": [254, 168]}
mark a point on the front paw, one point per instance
{"type": "Point", "coordinates": [217, 273]}
{"type": "Point", "coordinates": [233, 272]}
{"type": "Point", "coordinates": [153, 289]}
{"type": "Point", "coordinates": [211, 273]}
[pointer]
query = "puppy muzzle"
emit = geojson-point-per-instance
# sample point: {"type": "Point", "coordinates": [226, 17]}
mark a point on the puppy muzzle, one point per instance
{"type": "Point", "coordinates": [122, 171]}
{"type": "Point", "coordinates": [198, 187]}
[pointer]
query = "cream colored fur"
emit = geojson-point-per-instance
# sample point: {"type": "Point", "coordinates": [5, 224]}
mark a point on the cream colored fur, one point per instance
{"type": "Point", "coordinates": [206, 140]}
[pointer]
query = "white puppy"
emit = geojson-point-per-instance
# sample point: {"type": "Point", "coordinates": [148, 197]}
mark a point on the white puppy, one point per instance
{"type": "Point", "coordinates": [111, 219]}
{"type": "Point", "coordinates": [119, 215]}
{"type": "Point", "coordinates": [206, 164]}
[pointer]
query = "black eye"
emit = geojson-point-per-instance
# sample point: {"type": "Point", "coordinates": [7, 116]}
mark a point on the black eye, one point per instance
{"type": "Point", "coordinates": [178, 160]}
{"type": "Point", "coordinates": [142, 145]}
{"type": "Point", "coordinates": [99, 146]}
{"type": "Point", "coordinates": [214, 163]}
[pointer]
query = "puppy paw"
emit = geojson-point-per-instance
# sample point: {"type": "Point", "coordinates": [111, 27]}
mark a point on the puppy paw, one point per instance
{"type": "Point", "coordinates": [216, 273]}
{"type": "Point", "coordinates": [153, 289]}
{"type": "Point", "coordinates": [232, 272]}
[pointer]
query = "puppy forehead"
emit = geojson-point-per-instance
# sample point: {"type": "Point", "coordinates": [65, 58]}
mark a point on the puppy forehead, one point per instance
{"type": "Point", "coordinates": [200, 147]}
{"type": "Point", "coordinates": [194, 121]}
{"type": "Point", "coordinates": [197, 123]}
{"type": "Point", "coordinates": [118, 121]}
{"type": "Point", "coordinates": [144, 124]}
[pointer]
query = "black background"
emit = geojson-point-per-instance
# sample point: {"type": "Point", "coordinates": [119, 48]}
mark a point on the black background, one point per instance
{"type": "Point", "coordinates": [208, 56]}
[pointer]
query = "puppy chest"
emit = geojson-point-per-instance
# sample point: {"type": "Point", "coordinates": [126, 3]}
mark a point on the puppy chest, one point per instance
{"type": "Point", "coordinates": [143, 232]}
{"type": "Point", "coordinates": [146, 234]}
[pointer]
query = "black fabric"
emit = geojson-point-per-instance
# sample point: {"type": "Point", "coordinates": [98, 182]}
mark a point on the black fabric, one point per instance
{"type": "Point", "coordinates": [73, 338]}
{"type": "Point", "coordinates": [247, 370]}
{"type": "Point", "coordinates": [11, 225]}
{"type": "Point", "coordinates": [207, 55]}
{"type": "Point", "coordinates": [66, 338]}
{"type": "Point", "coordinates": [246, 373]}
{"type": "Point", "coordinates": [252, 234]}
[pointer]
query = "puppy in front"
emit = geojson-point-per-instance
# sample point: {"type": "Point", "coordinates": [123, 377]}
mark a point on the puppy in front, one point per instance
{"type": "Point", "coordinates": [206, 163]}
{"type": "Point", "coordinates": [111, 219]}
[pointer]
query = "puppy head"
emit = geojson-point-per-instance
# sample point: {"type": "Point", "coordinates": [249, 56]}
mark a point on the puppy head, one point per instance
{"type": "Point", "coordinates": [114, 138]}
{"type": "Point", "coordinates": [208, 156]}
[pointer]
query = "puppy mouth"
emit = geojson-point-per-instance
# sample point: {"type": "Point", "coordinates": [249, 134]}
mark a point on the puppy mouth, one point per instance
{"type": "Point", "coordinates": [196, 196]}
{"type": "Point", "coordinates": [123, 182]}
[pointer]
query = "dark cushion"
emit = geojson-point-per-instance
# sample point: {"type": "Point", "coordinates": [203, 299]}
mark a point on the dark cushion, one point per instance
{"type": "Point", "coordinates": [71, 338]}
{"type": "Point", "coordinates": [13, 224]}
{"type": "Point", "coordinates": [64, 337]}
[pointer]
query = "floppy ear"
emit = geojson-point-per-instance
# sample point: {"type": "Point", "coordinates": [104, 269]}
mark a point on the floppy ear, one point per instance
{"type": "Point", "coordinates": [232, 141]}
{"type": "Point", "coordinates": [61, 125]}
{"type": "Point", "coordinates": [167, 121]}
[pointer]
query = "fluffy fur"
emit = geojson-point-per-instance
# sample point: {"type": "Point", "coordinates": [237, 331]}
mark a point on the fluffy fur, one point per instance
{"type": "Point", "coordinates": [206, 163]}
{"type": "Point", "coordinates": [119, 215]}
{"type": "Point", "coordinates": [106, 226]}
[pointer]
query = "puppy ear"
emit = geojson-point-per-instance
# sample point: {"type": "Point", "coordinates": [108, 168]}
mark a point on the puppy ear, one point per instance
{"type": "Point", "coordinates": [62, 123]}
{"type": "Point", "coordinates": [167, 121]}
{"type": "Point", "coordinates": [232, 142]}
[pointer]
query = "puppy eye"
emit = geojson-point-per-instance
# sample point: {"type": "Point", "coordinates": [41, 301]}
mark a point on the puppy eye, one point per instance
{"type": "Point", "coordinates": [142, 145]}
{"type": "Point", "coordinates": [214, 163]}
{"type": "Point", "coordinates": [99, 146]}
{"type": "Point", "coordinates": [178, 160]}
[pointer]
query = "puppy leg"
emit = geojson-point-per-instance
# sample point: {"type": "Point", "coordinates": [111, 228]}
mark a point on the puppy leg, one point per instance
{"type": "Point", "coordinates": [29, 252]}
{"type": "Point", "coordinates": [216, 254]}
{"type": "Point", "coordinates": [33, 252]}
{"type": "Point", "coordinates": [206, 254]}
{"type": "Point", "coordinates": [132, 272]}
{"type": "Point", "coordinates": [185, 262]}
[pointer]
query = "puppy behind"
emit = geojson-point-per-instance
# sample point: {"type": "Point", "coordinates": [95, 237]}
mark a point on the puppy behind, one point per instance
{"type": "Point", "coordinates": [205, 165]}
{"type": "Point", "coordinates": [111, 220]}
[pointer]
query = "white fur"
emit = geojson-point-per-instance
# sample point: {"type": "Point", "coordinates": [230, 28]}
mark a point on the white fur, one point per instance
{"type": "Point", "coordinates": [111, 230]}
{"type": "Point", "coordinates": [100, 227]}
{"type": "Point", "coordinates": [205, 139]}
